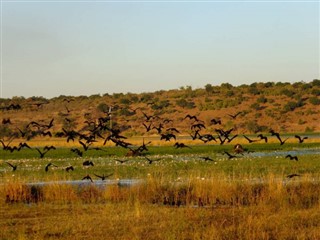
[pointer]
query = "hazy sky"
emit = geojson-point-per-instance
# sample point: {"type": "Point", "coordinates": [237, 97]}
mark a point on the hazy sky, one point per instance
{"type": "Point", "coordinates": [52, 48]}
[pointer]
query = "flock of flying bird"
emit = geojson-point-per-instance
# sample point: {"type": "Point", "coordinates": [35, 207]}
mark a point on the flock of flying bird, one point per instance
{"type": "Point", "coordinates": [101, 129]}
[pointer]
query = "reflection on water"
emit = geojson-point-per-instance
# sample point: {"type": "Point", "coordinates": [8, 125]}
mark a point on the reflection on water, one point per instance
{"type": "Point", "coordinates": [303, 151]}
{"type": "Point", "coordinates": [98, 183]}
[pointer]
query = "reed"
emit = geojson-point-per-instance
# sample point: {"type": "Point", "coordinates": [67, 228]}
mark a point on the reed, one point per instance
{"type": "Point", "coordinates": [200, 208]}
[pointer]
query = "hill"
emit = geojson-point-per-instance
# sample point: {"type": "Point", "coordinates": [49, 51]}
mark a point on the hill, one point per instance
{"type": "Point", "coordinates": [258, 107]}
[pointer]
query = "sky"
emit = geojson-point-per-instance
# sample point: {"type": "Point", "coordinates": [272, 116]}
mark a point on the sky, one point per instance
{"type": "Point", "coordinates": [53, 48]}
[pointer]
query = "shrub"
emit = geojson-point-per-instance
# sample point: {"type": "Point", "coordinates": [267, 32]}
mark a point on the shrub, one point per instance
{"type": "Point", "coordinates": [254, 91]}
{"type": "Point", "coordinates": [146, 97]}
{"type": "Point", "coordinates": [125, 101]}
{"type": "Point", "coordinates": [255, 106]}
{"type": "Point", "coordinates": [287, 92]}
{"type": "Point", "coordinates": [103, 107]}
{"type": "Point", "coordinates": [309, 130]}
{"type": "Point", "coordinates": [160, 105]}
{"type": "Point", "coordinates": [207, 100]}
{"type": "Point", "coordinates": [315, 92]}
{"type": "Point", "coordinates": [208, 88]}
{"type": "Point", "coordinates": [268, 84]}
{"type": "Point", "coordinates": [262, 99]}
{"type": "Point", "coordinates": [226, 86]}
{"type": "Point", "coordinates": [185, 104]}
{"type": "Point", "coordinates": [314, 101]}
{"type": "Point", "coordinates": [230, 93]}
{"type": "Point", "coordinates": [291, 106]}
{"type": "Point", "coordinates": [315, 82]}
{"type": "Point", "coordinates": [254, 127]}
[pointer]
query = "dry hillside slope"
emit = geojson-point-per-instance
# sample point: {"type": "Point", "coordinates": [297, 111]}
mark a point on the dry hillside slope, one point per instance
{"type": "Point", "coordinates": [253, 108]}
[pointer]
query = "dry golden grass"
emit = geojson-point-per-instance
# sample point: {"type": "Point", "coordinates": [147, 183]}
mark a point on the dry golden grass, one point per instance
{"type": "Point", "coordinates": [211, 208]}
{"type": "Point", "coordinates": [136, 221]}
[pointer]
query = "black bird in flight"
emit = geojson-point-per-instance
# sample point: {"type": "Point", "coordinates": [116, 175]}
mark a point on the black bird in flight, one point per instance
{"type": "Point", "coordinates": [14, 167]}
{"type": "Point", "coordinates": [50, 125]}
{"type": "Point", "coordinates": [263, 138]}
{"type": "Point", "coordinates": [148, 117]}
{"type": "Point", "coordinates": [42, 153]}
{"type": "Point", "coordinates": [103, 177]}
{"type": "Point", "coordinates": [249, 140]}
{"type": "Point", "coordinates": [292, 157]}
{"type": "Point", "coordinates": [47, 133]}
{"type": "Point", "coordinates": [150, 161]}
{"type": "Point", "coordinates": [6, 121]}
{"type": "Point", "coordinates": [87, 177]}
{"type": "Point", "coordinates": [159, 128]}
{"type": "Point", "coordinates": [77, 151]}
{"type": "Point", "coordinates": [172, 129]}
{"type": "Point", "coordinates": [147, 127]}
{"type": "Point", "coordinates": [222, 140]}
{"type": "Point", "coordinates": [167, 137]}
{"type": "Point", "coordinates": [85, 145]}
{"type": "Point", "coordinates": [215, 121]}
{"type": "Point", "coordinates": [48, 165]}
{"type": "Point", "coordinates": [143, 147]}
{"type": "Point", "coordinates": [23, 145]}
{"type": "Point", "coordinates": [197, 126]}
{"type": "Point", "coordinates": [230, 139]}
{"type": "Point", "coordinates": [87, 163]}
{"type": "Point", "coordinates": [207, 159]}
{"type": "Point", "coordinates": [47, 148]}
{"type": "Point", "coordinates": [230, 156]}
{"type": "Point", "coordinates": [273, 133]}
{"type": "Point", "coordinates": [11, 149]}
{"type": "Point", "coordinates": [280, 140]}
{"type": "Point", "coordinates": [4, 145]}
{"type": "Point", "coordinates": [301, 139]}
{"type": "Point", "coordinates": [192, 117]}
{"type": "Point", "coordinates": [167, 120]}
{"type": "Point", "coordinates": [207, 138]}
{"type": "Point", "coordinates": [23, 133]}
{"type": "Point", "coordinates": [293, 175]}
{"type": "Point", "coordinates": [122, 161]}
{"type": "Point", "coordinates": [180, 145]}
{"type": "Point", "coordinates": [69, 168]}
{"type": "Point", "coordinates": [235, 115]}
{"type": "Point", "coordinates": [195, 135]}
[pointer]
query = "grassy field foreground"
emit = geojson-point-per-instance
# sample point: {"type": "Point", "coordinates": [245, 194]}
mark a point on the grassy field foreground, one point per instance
{"type": "Point", "coordinates": [208, 210]}
{"type": "Point", "coordinates": [180, 196]}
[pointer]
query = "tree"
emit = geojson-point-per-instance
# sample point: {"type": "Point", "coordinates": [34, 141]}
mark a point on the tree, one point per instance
{"type": "Point", "coordinates": [102, 107]}
{"type": "Point", "coordinates": [209, 88]}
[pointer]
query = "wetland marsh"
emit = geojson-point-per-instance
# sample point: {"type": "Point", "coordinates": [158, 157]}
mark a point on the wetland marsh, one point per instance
{"type": "Point", "coordinates": [178, 196]}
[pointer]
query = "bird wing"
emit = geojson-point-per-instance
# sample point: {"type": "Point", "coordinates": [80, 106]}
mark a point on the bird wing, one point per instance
{"type": "Point", "coordinates": [10, 164]}
{"type": "Point", "coordinates": [98, 176]}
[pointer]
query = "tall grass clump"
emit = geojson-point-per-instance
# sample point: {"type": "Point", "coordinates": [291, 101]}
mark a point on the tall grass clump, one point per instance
{"type": "Point", "coordinates": [160, 190]}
